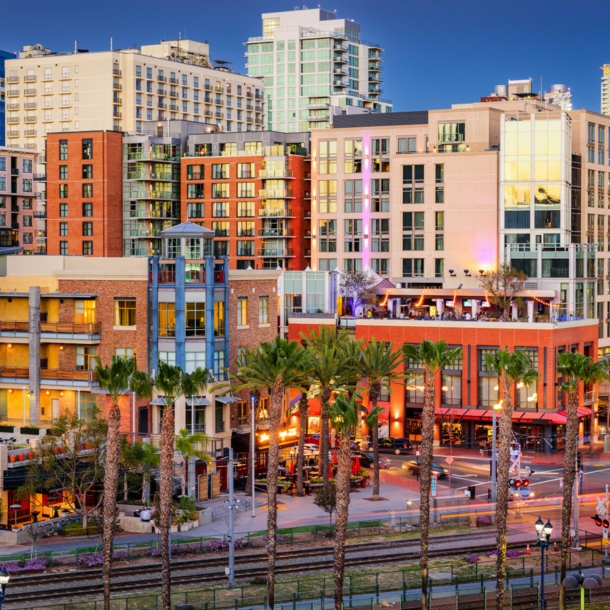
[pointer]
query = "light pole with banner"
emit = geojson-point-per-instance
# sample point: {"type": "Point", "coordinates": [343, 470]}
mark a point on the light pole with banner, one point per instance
{"type": "Point", "coordinates": [543, 533]}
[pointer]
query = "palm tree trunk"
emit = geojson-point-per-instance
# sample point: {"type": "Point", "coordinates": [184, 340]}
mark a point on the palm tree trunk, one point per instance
{"type": "Point", "coordinates": [125, 487]}
{"type": "Point", "coordinates": [324, 430]}
{"type": "Point", "coordinates": [165, 495]}
{"type": "Point", "coordinates": [342, 484]}
{"type": "Point", "coordinates": [569, 475]}
{"type": "Point", "coordinates": [111, 479]}
{"type": "Point", "coordinates": [503, 467]}
{"type": "Point", "coordinates": [303, 408]}
{"type": "Point", "coordinates": [375, 435]}
{"type": "Point", "coordinates": [275, 418]}
{"type": "Point", "coordinates": [427, 448]}
{"type": "Point", "coordinates": [593, 415]}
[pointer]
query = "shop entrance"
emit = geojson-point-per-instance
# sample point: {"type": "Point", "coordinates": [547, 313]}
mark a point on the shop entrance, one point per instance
{"type": "Point", "coordinates": [529, 436]}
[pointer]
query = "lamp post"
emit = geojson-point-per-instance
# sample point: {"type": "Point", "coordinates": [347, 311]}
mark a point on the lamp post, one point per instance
{"type": "Point", "coordinates": [494, 491]}
{"type": "Point", "coordinates": [252, 453]}
{"type": "Point", "coordinates": [4, 578]}
{"type": "Point", "coordinates": [543, 533]}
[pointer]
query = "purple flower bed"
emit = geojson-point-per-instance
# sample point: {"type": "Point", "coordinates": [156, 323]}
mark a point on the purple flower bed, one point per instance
{"type": "Point", "coordinates": [211, 546]}
{"type": "Point", "coordinates": [512, 554]}
{"type": "Point", "coordinates": [473, 559]}
{"type": "Point", "coordinates": [37, 564]}
{"type": "Point", "coordinates": [92, 560]}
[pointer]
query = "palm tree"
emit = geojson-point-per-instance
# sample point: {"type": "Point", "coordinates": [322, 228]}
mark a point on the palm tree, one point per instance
{"type": "Point", "coordinates": [574, 369]}
{"type": "Point", "coordinates": [380, 365]}
{"type": "Point", "coordinates": [329, 368]}
{"type": "Point", "coordinates": [171, 383]}
{"type": "Point", "coordinates": [277, 365]}
{"type": "Point", "coordinates": [511, 370]}
{"type": "Point", "coordinates": [344, 416]}
{"type": "Point", "coordinates": [303, 410]}
{"type": "Point", "coordinates": [433, 358]}
{"type": "Point", "coordinates": [593, 373]}
{"type": "Point", "coordinates": [186, 445]}
{"type": "Point", "coordinates": [116, 380]}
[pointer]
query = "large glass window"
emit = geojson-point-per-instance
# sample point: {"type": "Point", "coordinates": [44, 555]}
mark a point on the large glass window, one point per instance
{"type": "Point", "coordinates": [195, 319]}
{"type": "Point", "coordinates": [167, 320]}
{"type": "Point", "coordinates": [84, 312]}
{"type": "Point", "coordinates": [263, 310]}
{"type": "Point", "coordinates": [242, 311]}
{"type": "Point", "coordinates": [219, 319]}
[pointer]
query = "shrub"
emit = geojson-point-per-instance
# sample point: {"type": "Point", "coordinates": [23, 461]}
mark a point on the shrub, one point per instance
{"type": "Point", "coordinates": [483, 521]}
{"type": "Point", "coordinates": [38, 564]}
{"type": "Point", "coordinates": [77, 529]}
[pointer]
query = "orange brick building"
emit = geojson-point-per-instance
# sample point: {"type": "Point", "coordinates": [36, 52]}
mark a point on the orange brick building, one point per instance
{"type": "Point", "coordinates": [84, 193]}
{"type": "Point", "coordinates": [467, 392]}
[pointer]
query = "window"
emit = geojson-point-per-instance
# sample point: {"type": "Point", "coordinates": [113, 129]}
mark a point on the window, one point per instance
{"type": "Point", "coordinates": [246, 170]}
{"type": "Point", "coordinates": [220, 171]}
{"type": "Point", "coordinates": [380, 149]}
{"type": "Point", "coordinates": [327, 163]}
{"type": "Point", "coordinates": [245, 248]}
{"type": "Point", "coordinates": [219, 319]}
{"type": "Point", "coordinates": [245, 189]}
{"type": "Point", "coordinates": [220, 209]}
{"type": "Point", "coordinates": [195, 319]}
{"type": "Point", "coordinates": [327, 196]}
{"type": "Point", "coordinates": [242, 311]}
{"type": "Point", "coordinates": [125, 352]}
{"type": "Point", "coordinates": [219, 417]}
{"type": "Point", "coordinates": [63, 150]}
{"type": "Point", "coordinates": [84, 312]}
{"type": "Point", "coordinates": [124, 312]}
{"type": "Point", "coordinates": [413, 267]}
{"type": "Point", "coordinates": [243, 408]}
{"type": "Point", "coordinates": [452, 132]}
{"type": "Point", "coordinates": [221, 229]}
{"type": "Point", "coordinates": [88, 190]}
{"type": "Point", "coordinates": [63, 229]}
{"type": "Point", "coordinates": [352, 235]}
{"type": "Point", "coordinates": [87, 172]}
{"type": "Point", "coordinates": [380, 230]}
{"type": "Point", "coordinates": [63, 248]}
{"type": "Point", "coordinates": [194, 191]}
{"type": "Point", "coordinates": [87, 148]}
{"type": "Point", "coordinates": [87, 209]}
{"type": "Point", "coordinates": [245, 209]}
{"type": "Point", "coordinates": [263, 310]}
{"type": "Point", "coordinates": [63, 191]}
{"type": "Point", "coordinates": [195, 414]}
{"type": "Point", "coordinates": [380, 265]}
{"type": "Point", "coordinates": [245, 229]}
{"type": "Point", "coordinates": [63, 172]}
{"type": "Point", "coordinates": [488, 382]}
{"type": "Point", "coordinates": [195, 210]}
{"type": "Point", "coordinates": [86, 358]}
{"type": "Point", "coordinates": [167, 320]}
{"type": "Point", "coordinates": [219, 190]}
{"type": "Point", "coordinates": [195, 172]}
{"type": "Point", "coordinates": [439, 267]}
{"type": "Point", "coordinates": [352, 196]}
{"type": "Point", "coordinates": [87, 248]}
{"type": "Point", "coordinates": [168, 357]}
{"type": "Point", "coordinates": [327, 232]}
{"type": "Point", "coordinates": [63, 210]}
{"type": "Point", "coordinates": [353, 156]}
{"type": "Point", "coordinates": [87, 229]}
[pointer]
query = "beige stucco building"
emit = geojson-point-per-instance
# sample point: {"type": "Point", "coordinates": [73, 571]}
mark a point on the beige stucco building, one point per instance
{"type": "Point", "coordinates": [120, 89]}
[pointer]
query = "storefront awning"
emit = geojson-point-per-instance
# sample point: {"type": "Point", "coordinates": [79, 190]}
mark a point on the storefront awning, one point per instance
{"type": "Point", "coordinates": [582, 412]}
{"type": "Point", "coordinates": [225, 400]}
{"type": "Point", "coordinates": [159, 401]}
{"type": "Point", "coordinates": [518, 416]}
{"type": "Point", "coordinates": [198, 401]}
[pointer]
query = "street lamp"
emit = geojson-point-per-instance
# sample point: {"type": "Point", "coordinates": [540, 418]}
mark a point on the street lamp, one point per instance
{"type": "Point", "coordinates": [4, 578]}
{"type": "Point", "coordinates": [543, 533]}
{"type": "Point", "coordinates": [494, 485]}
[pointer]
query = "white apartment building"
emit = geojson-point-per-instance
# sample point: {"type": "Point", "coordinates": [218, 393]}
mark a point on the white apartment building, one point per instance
{"type": "Point", "coordinates": [314, 66]}
{"type": "Point", "coordinates": [605, 92]}
{"type": "Point", "coordinates": [120, 89]}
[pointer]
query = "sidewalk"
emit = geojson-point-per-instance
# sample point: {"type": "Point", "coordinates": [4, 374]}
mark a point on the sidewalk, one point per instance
{"type": "Point", "coordinates": [293, 511]}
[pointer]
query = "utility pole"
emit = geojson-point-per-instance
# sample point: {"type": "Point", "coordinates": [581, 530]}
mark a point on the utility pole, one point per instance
{"type": "Point", "coordinates": [252, 452]}
{"type": "Point", "coordinates": [232, 506]}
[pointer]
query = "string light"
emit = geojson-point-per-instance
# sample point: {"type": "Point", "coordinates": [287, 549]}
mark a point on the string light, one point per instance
{"type": "Point", "coordinates": [387, 294]}
{"type": "Point", "coordinates": [486, 298]}
{"type": "Point", "coordinates": [542, 302]}
{"type": "Point", "coordinates": [421, 300]}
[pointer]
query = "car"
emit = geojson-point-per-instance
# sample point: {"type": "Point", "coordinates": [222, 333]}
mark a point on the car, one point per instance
{"type": "Point", "coordinates": [413, 467]}
{"type": "Point", "coordinates": [393, 445]}
{"type": "Point", "coordinates": [366, 459]}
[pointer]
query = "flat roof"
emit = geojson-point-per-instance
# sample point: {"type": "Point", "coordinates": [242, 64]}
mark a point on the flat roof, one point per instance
{"type": "Point", "coordinates": [52, 295]}
{"type": "Point", "coordinates": [384, 119]}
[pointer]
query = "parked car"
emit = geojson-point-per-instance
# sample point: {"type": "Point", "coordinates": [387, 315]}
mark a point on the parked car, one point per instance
{"type": "Point", "coordinates": [393, 445]}
{"type": "Point", "coordinates": [413, 467]}
{"type": "Point", "coordinates": [366, 459]}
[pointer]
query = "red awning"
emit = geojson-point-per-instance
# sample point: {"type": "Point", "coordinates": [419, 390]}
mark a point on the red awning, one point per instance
{"type": "Point", "coordinates": [518, 416]}
{"type": "Point", "coordinates": [582, 412]}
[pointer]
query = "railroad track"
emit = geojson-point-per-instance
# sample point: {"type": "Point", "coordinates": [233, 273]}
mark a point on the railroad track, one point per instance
{"type": "Point", "coordinates": [88, 582]}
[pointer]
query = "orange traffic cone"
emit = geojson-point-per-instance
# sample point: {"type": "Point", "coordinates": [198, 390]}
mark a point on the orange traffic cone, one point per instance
{"type": "Point", "coordinates": [527, 550]}
{"type": "Point", "coordinates": [555, 547]}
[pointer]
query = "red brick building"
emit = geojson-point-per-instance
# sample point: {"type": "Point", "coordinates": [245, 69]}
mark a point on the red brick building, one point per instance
{"type": "Point", "coordinates": [467, 392]}
{"type": "Point", "coordinates": [84, 193]}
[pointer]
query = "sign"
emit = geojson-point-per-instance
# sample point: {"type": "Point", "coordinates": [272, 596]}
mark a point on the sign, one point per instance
{"type": "Point", "coordinates": [433, 486]}
{"type": "Point", "coordinates": [449, 460]}
{"type": "Point", "coordinates": [605, 539]}
{"type": "Point", "coordinates": [601, 506]}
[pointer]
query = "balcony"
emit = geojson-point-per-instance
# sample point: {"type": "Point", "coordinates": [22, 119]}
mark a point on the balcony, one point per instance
{"type": "Point", "coordinates": [173, 81]}
{"type": "Point", "coordinates": [194, 275]}
{"type": "Point", "coordinates": [275, 233]}
{"type": "Point", "coordinates": [11, 374]}
{"type": "Point", "coordinates": [40, 177]}
{"type": "Point", "coordinates": [29, 92]}
{"type": "Point", "coordinates": [276, 252]}
{"type": "Point", "coordinates": [339, 83]}
{"type": "Point", "coordinates": [276, 213]}
{"type": "Point", "coordinates": [30, 133]}
{"type": "Point", "coordinates": [30, 105]}
{"type": "Point", "coordinates": [276, 173]}
{"type": "Point", "coordinates": [276, 193]}
{"type": "Point", "coordinates": [12, 79]}
{"type": "Point", "coordinates": [40, 214]}
{"type": "Point", "coordinates": [30, 119]}
{"type": "Point", "coordinates": [12, 120]}
{"type": "Point", "coordinates": [161, 79]}
{"type": "Point", "coordinates": [12, 106]}
{"type": "Point", "coordinates": [340, 59]}
{"type": "Point", "coordinates": [116, 72]}
{"type": "Point", "coordinates": [161, 91]}
{"type": "Point", "coordinates": [12, 93]}
{"type": "Point", "coordinates": [29, 78]}
{"type": "Point", "coordinates": [117, 86]}
{"type": "Point", "coordinates": [173, 93]}
{"type": "Point", "coordinates": [52, 330]}
{"type": "Point", "coordinates": [307, 254]}
{"type": "Point", "coordinates": [316, 119]}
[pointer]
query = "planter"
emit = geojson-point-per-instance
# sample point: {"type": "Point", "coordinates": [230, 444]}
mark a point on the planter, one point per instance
{"type": "Point", "coordinates": [174, 529]}
{"type": "Point", "coordinates": [25, 430]}
{"type": "Point", "coordinates": [12, 458]}
{"type": "Point", "coordinates": [7, 428]}
{"type": "Point", "coordinates": [21, 457]}
{"type": "Point", "coordinates": [185, 527]}
{"type": "Point", "coordinates": [30, 455]}
{"type": "Point", "coordinates": [194, 523]}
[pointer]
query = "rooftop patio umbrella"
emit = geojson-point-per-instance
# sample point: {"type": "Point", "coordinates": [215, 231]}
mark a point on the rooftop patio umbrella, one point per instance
{"type": "Point", "coordinates": [291, 465]}
{"type": "Point", "coordinates": [358, 466]}
{"type": "Point", "coordinates": [335, 458]}
{"type": "Point", "coordinates": [330, 471]}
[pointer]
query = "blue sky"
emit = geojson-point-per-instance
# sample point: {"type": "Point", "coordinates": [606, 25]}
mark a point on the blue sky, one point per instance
{"type": "Point", "coordinates": [438, 52]}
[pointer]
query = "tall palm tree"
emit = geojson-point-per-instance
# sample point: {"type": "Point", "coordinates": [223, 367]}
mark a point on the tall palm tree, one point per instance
{"type": "Point", "coordinates": [592, 374]}
{"type": "Point", "coordinates": [328, 370]}
{"type": "Point", "coordinates": [433, 358]}
{"type": "Point", "coordinates": [171, 383]}
{"type": "Point", "coordinates": [574, 369]}
{"type": "Point", "coordinates": [511, 369]}
{"type": "Point", "coordinates": [187, 445]}
{"type": "Point", "coordinates": [380, 364]}
{"type": "Point", "coordinates": [277, 365]}
{"type": "Point", "coordinates": [344, 416]}
{"type": "Point", "coordinates": [115, 378]}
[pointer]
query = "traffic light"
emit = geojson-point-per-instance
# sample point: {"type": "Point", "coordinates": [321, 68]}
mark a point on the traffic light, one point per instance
{"type": "Point", "coordinates": [525, 483]}
{"type": "Point", "coordinates": [598, 520]}
{"type": "Point", "coordinates": [518, 483]}
{"type": "Point", "coordinates": [606, 523]}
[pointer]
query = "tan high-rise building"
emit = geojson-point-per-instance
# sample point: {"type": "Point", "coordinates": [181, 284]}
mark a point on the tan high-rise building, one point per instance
{"type": "Point", "coordinates": [120, 89]}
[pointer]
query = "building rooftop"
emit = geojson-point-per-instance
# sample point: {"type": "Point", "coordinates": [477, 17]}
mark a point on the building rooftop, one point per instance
{"type": "Point", "coordinates": [187, 228]}
{"type": "Point", "coordinates": [388, 119]}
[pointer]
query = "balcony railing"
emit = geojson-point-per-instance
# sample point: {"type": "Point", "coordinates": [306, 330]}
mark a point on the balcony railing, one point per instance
{"type": "Point", "coordinates": [275, 213]}
{"type": "Point", "coordinates": [276, 193]}
{"type": "Point", "coordinates": [276, 252]}
{"type": "Point", "coordinates": [275, 233]}
{"type": "Point", "coordinates": [11, 372]}
{"type": "Point", "coordinates": [276, 173]}
{"type": "Point", "coordinates": [56, 328]}
{"type": "Point", "coordinates": [195, 274]}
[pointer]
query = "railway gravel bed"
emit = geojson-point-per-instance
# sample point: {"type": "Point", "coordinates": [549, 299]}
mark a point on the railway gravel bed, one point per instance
{"type": "Point", "coordinates": [209, 570]}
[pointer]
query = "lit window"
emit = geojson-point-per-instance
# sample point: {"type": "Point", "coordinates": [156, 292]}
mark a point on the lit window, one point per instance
{"type": "Point", "coordinates": [124, 312]}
